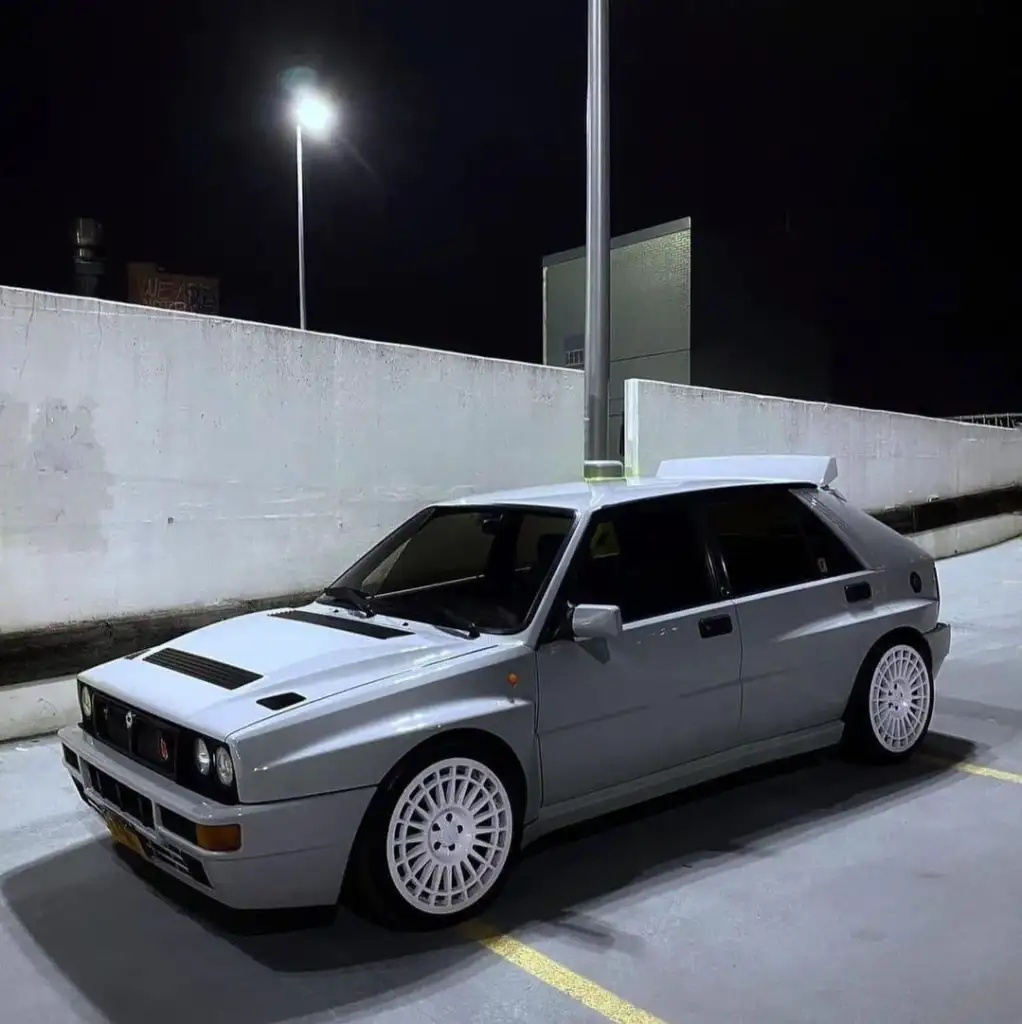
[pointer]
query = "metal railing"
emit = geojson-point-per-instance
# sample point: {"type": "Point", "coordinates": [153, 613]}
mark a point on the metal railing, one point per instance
{"type": "Point", "coordinates": [1010, 420]}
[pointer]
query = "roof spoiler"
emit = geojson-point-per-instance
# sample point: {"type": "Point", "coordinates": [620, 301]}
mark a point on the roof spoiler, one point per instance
{"type": "Point", "coordinates": [819, 470]}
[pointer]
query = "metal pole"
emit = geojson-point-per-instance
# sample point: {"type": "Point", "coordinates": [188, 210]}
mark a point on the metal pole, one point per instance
{"type": "Point", "coordinates": [301, 228]}
{"type": "Point", "coordinates": [597, 330]}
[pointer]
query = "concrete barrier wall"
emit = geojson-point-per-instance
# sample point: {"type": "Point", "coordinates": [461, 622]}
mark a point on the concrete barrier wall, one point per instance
{"type": "Point", "coordinates": [156, 460]}
{"type": "Point", "coordinates": [152, 460]}
{"type": "Point", "coordinates": [971, 536]}
{"type": "Point", "coordinates": [885, 459]}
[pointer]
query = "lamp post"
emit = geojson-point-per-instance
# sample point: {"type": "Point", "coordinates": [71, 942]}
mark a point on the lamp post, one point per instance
{"type": "Point", "coordinates": [314, 115]}
{"type": "Point", "coordinates": [597, 329]}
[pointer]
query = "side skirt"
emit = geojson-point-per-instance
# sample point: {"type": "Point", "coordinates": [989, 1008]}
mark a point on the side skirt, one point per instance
{"type": "Point", "coordinates": [693, 773]}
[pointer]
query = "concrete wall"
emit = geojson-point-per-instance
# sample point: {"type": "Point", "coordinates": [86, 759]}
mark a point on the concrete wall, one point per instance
{"type": "Point", "coordinates": [970, 536]}
{"type": "Point", "coordinates": [152, 459]}
{"type": "Point", "coordinates": [884, 459]}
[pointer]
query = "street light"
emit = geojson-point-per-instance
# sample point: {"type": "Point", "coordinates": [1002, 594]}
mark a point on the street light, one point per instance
{"type": "Point", "coordinates": [314, 114]}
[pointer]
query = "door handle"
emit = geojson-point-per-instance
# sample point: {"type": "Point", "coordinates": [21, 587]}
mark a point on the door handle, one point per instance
{"type": "Point", "coordinates": [855, 592]}
{"type": "Point", "coordinates": [715, 625]}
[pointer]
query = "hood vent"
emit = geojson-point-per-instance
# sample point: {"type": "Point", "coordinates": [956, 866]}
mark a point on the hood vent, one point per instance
{"type": "Point", "coordinates": [279, 701]}
{"type": "Point", "coordinates": [228, 677]}
{"type": "Point", "coordinates": [346, 625]}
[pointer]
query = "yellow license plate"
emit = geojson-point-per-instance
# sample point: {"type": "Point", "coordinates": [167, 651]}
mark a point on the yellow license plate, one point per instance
{"type": "Point", "coordinates": [124, 835]}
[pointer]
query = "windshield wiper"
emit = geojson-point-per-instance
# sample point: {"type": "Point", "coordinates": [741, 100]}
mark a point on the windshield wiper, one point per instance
{"type": "Point", "coordinates": [456, 621]}
{"type": "Point", "coordinates": [353, 598]}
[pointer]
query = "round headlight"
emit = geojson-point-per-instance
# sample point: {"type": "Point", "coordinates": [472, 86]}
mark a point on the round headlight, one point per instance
{"type": "Point", "coordinates": [86, 699]}
{"type": "Point", "coordinates": [202, 759]}
{"type": "Point", "coordinates": [224, 766]}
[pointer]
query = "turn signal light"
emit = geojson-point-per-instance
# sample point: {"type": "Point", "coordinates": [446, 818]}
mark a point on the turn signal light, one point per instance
{"type": "Point", "coordinates": [218, 838]}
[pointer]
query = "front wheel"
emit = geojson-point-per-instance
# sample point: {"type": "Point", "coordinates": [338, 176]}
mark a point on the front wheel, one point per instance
{"type": "Point", "coordinates": [892, 703]}
{"type": "Point", "coordinates": [438, 841]}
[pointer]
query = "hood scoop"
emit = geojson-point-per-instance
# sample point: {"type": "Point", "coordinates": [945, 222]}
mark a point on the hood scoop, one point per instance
{"type": "Point", "coordinates": [279, 701]}
{"type": "Point", "coordinates": [359, 626]}
{"type": "Point", "coordinates": [219, 673]}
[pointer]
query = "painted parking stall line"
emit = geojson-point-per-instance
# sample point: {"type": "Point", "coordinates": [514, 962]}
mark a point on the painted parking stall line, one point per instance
{"type": "Point", "coordinates": [557, 976]}
{"type": "Point", "coordinates": [981, 770]}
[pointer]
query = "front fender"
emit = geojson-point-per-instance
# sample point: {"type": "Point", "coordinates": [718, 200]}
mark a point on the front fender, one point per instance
{"type": "Point", "coordinates": [353, 741]}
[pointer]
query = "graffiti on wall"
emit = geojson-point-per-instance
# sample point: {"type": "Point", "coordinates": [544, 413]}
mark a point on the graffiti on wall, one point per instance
{"type": "Point", "coordinates": [150, 286]}
{"type": "Point", "coordinates": [178, 292]}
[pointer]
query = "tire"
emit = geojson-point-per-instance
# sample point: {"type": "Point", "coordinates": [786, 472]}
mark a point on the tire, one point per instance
{"type": "Point", "coordinates": [454, 876]}
{"type": "Point", "coordinates": [892, 701]}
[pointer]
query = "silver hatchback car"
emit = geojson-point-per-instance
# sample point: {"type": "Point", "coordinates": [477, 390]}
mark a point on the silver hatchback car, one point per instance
{"type": "Point", "coordinates": [502, 666]}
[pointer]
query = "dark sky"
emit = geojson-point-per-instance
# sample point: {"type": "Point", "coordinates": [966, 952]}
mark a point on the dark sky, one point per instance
{"type": "Point", "coordinates": [854, 161]}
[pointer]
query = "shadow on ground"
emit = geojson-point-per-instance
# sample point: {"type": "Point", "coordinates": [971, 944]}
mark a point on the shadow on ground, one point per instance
{"type": "Point", "coordinates": [157, 953]}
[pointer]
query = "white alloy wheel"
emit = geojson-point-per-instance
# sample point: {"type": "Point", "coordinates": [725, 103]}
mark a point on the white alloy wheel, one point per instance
{"type": "Point", "coordinates": [450, 836]}
{"type": "Point", "coordinates": [900, 694]}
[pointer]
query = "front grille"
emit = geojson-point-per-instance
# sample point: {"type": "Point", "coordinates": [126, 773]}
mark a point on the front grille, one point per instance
{"type": "Point", "coordinates": [123, 797]}
{"type": "Point", "coordinates": [157, 744]}
{"type": "Point", "coordinates": [178, 860]}
{"type": "Point", "coordinates": [140, 809]}
{"type": "Point", "coordinates": [146, 739]}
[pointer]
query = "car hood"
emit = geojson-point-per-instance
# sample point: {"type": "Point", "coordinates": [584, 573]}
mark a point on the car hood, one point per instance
{"type": "Point", "coordinates": [212, 679]}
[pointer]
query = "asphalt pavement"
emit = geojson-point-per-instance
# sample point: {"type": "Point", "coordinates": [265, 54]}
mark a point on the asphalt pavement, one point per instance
{"type": "Point", "coordinates": [814, 891]}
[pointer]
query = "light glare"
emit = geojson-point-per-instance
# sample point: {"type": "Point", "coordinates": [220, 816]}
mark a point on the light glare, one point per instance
{"type": "Point", "coordinates": [314, 113]}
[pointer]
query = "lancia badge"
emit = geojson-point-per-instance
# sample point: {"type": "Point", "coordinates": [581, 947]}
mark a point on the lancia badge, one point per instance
{"type": "Point", "coordinates": [129, 720]}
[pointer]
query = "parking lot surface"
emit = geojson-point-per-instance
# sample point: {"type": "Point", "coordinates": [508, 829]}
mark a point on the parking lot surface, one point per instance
{"type": "Point", "coordinates": [814, 891]}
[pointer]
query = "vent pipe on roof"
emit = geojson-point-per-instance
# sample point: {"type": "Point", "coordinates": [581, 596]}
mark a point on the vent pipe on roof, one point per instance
{"type": "Point", "coordinates": [597, 465]}
{"type": "Point", "coordinates": [87, 252]}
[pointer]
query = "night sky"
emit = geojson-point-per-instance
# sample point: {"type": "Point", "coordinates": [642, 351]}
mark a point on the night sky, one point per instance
{"type": "Point", "coordinates": [852, 164]}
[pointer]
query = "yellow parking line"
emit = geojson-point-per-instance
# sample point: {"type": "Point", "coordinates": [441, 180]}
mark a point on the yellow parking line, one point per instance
{"type": "Point", "coordinates": [977, 769]}
{"type": "Point", "coordinates": [596, 997]}
{"type": "Point", "coordinates": [990, 773]}
{"type": "Point", "coordinates": [557, 976]}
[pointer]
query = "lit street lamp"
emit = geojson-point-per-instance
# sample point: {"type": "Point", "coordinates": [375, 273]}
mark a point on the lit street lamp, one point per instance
{"type": "Point", "coordinates": [314, 114]}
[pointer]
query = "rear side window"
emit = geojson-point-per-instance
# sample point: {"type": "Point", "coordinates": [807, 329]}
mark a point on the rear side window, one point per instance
{"type": "Point", "coordinates": [769, 539]}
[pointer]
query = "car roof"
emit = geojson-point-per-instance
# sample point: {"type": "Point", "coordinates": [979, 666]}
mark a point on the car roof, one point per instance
{"type": "Point", "coordinates": [586, 496]}
{"type": "Point", "coordinates": [674, 476]}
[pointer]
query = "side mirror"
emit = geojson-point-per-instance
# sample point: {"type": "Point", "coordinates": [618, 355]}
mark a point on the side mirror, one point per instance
{"type": "Point", "coordinates": [596, 622]}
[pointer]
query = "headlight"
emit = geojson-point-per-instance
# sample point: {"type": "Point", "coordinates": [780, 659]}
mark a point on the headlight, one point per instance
{"type": "Point", "coordinates": [85, 697]}
{"type": "Point", "coordinates": [224, 766]}
{"type": "Point", "coordinates": [202, 759]}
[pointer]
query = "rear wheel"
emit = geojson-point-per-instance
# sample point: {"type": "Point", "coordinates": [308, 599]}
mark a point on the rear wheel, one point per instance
{"type": "Point", "coordinates": [892, 702]}
{"type": "Point", "coordinates": [438, 841]}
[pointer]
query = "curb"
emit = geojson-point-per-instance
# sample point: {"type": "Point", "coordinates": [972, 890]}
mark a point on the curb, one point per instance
{"type": "Point", "coordinates": [37, 709]}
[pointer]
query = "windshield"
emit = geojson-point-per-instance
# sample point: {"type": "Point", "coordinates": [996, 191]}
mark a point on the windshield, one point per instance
{"type": "Point", "coordinates": [468, 567]}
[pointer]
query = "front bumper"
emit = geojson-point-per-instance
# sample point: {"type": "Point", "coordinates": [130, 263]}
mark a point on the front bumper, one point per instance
{"type": "Point", "coordinates": [939, 639]}
{"type": "Point", "coordinates": [293, 853]}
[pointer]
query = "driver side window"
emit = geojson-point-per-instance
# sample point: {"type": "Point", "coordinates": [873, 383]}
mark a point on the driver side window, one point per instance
{"type": "Point", "coordinates": [647, 557]}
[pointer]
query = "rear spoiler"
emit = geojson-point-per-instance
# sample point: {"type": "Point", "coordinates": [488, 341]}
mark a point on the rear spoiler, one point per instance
{"type": "Point", "coordinates": [818, 470]}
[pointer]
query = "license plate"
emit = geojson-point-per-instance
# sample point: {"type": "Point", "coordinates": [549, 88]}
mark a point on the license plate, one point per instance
{"type": "Point", "coordinates": [124, 834]}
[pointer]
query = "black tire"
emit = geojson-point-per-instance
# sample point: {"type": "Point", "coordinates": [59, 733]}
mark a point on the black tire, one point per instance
{"type": "Point", "coordinates": [370, 886]}
{"type": "Point", "coordinates": [864, 737]}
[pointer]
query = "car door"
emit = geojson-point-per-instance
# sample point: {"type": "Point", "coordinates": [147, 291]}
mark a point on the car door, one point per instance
{"type": "Point", "coordinates": [666, 690]}
{"type": "Point", "coordinates": [803, 603]}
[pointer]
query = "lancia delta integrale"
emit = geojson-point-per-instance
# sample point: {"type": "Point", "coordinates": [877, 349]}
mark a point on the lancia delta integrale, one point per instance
{"type": "Point", "coordinates": [505, 665]}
